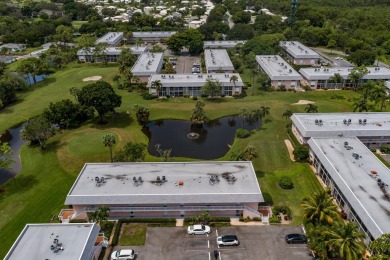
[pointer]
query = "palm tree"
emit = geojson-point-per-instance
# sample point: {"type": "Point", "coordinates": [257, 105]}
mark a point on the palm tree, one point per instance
{"type": "Point", "coordinates": [109, 140]}
{"type": "Point", "coordinates": [256, 115]}
{"type": "Point", "coordinates": [361, 105]}
{"type": "Point", "coordinates": [287, 114]}
{"type": "Point", "coordinates": [310, 108]}
{"type": "Point", "coordinates": [249, 153]}
{"type": "Point", "coordinates": [264, 111]}
{"type": "Point", "coordinates": [319, 208]}
{"type": "Point", "coordinates": [74, 92]}
{"type": "Point", "coordinates": [100, 215]}
{"type": "Point", "coordinates": [244, 113]}
{"type": "Point", "coordinates": [157, 85]}
{"type": "Point", "coordinates": [347, 240]}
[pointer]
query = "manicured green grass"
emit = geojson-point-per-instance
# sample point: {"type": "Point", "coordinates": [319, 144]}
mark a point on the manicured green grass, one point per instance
{"type": "Point", "coordinates": [77, 24]}
{"type": "Point", "coordinates": [39, 191]}
{"type": "Point", "coordinates": [53, 88]}
{"type": "Point", "coordinates": [85, 144]}
{"type": "Point", "coordinates": [132, 234]}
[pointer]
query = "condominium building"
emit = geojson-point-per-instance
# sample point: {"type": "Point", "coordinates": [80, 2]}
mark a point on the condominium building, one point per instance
{"type": "Point", "coordinates": [110, 54]}
{"type": "Point", "coordinates": [152, 36]}
{"type": "Point", "coordinates": [339, 149]}
{"type": "Point", "coordinates": [319, 78]}
{"type": "Point", "coordinates": [167, 189]}
{"type": "Point", "coordinates": [279, 71]}
{"type": "Point", "coordinates": [298, 53]}
{"type": "Point", "coordinates": [58, 242]}
{"type": "Point", "coordinates": [221, 44]}
{"type": "Point", "coordinates": [148, 64]}
{"type": "Point", "coordinates": [178, 85]}
{"type": "Point", "coordinates": [217, 61]}
{"type": "Point", "coordinates": [112, 39]}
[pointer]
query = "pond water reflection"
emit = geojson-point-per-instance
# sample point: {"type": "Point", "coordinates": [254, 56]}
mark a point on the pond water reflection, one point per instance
{"type": "Point", "coordinates": [186, 140]}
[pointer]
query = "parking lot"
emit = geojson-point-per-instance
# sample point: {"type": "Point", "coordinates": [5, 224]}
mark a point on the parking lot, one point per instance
{"type": "Point", "coordinates": [256, 242]}
{"type": "Point", "coordinates": [184, 64]}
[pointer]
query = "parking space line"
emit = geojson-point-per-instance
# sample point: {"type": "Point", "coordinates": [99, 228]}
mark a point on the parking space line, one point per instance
{"type": "Point", "coordinates": [216, 231]}
{"type": "Point", "coordinates": [208, 243]}
{"type": "Point", "coordinates": [209, 256]}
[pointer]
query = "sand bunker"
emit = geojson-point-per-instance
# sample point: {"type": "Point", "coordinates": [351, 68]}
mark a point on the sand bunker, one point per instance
{"type": "Point", "coordinates": [303, 102]}
{"type": "Point", "coordinates": [93, 78]}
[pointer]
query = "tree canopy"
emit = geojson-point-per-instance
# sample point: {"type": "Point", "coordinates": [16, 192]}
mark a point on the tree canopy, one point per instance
{"type": "Point", "coordinates": [101, 96]}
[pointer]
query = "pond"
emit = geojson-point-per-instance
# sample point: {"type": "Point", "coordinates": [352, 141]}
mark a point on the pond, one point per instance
{"type": "Point", "coordinates": [211, 141]}
{"type": "Point", "coordinates": [12, 137]}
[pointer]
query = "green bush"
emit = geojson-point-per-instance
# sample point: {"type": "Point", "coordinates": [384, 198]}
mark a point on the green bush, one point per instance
{"type": "Point", "coordinates": [148, 96]}
{"type": "Point", "coordinates": [242, 133]}
{"type": "Point", "coordinates": [186, 95]}
{"type": "Point", "coordinates": [274, 220]}
{"type": "Point", "coordinates": [281, 209]}
{"type": "Point", "coordinates": [385, 149]}
{"type": "Point", "coordinates": [268, 201]}
{"type": "Point", "coordinates": [190, 221]}
{"type": "Point", "coordinates": [194, 98]}
{"type": "Point", "coordinates": [301, 153]}
{"type": "Point", "coordinates": [286, 183]}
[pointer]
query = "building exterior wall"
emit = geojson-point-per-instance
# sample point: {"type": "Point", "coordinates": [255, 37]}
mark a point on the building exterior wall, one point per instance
{"type": "Point", "coordinates": [287, 83]}
{"type": "Point", "coordinates": [193, 91]}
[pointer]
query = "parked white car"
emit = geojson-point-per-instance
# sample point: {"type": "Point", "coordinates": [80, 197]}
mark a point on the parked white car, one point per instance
{"type": "Point", "coordinates": [123, 254]}
{"type": "Point", "coordinates": [198, 230]}
{"type": "Point", "coordinates": [228, 240]}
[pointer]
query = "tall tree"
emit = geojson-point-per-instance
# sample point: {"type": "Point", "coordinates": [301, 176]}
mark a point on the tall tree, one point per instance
{"type": "Point", "coordinates": [37, 130]}
{"type": "Point", "coordinates": [198, 116]}
{"type": "Point", "coordinates": [319, 208]}
{"type": "Point", "coordinates": [212, 87]}
{"type": "Point", "coordinates": [264, 111]}
{"type": "Point", "coordinates": [157, 85]}
{"type": "Point", "coordinates": [244, 113]}
{"type": "Point", "coordinates": [356, 75]}
{"type": "Point", "coordinates": [347, 240]}
{"type": "Point", "coordinates": [287, 114]}
{"type": "Point", "coordinates": [109, 140]}
{"type": "Point", "coordinates": [131, 152]}
{"type": "Point", "coordinates": [126, 59]}
{"type": "Point", "coordinates": [101, 96]}
{"type": "Point", "coordinates": [5, 156]}
{"type": "Point", "coordinates": [142, 114]}
{"type": "Point", "coordinates": [100, 215]}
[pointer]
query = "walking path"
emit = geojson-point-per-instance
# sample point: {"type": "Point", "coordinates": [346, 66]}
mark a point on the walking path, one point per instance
{"type": "Point", "coordinates": [290, 149]}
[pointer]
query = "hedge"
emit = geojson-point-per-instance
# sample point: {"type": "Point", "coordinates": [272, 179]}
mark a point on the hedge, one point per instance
{"type": "Point", "coordinates": [190, 221]}
{"type": "Point", "coordinates": [242, 133]}
{"type": "Point", "coordinates": [78, 221]}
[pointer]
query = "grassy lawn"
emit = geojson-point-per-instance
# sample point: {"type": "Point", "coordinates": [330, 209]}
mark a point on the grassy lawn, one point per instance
{"type": "Point", "coordinates": [132, 234]}
{"type": "Point", "coordinates": [77, 24]}
{"type": "Point", "coordinates": [39, 191]}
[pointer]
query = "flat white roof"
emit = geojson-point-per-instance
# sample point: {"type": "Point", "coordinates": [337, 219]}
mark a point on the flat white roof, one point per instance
{"type": "Point", "coordinates": [136, 50]}
{"type": "Point", "coordinates": [119, 186]}
{"type": "Point", "coordinates": [277, 68]}
{"type": "Point", "coordinates": [354, 179]}
{"type": "Point", "coordinates": [298, 51]}
{"type": "Point", "coordinates": [221, 44]}
{"type": "Point", "coordinates": [35, 242]}
{"type": "Point", "coordinates": [332, 125]}
{"type": "Point", "coordinates": [148, 64]}
{"type": "Point", "coordinates": [325, 73]}
{"type": "Point", "coordinates": [194, 80]}
{"type": "Point", "coordinates": [165, 34]}
{"type": "Point", "coordinates": [217, 59]}
{"type": "Point", "coordinates": [110, 38]}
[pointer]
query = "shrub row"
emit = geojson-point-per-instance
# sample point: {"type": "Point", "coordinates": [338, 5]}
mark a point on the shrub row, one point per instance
{"type": "Point", "coordinates": [242, 133]}
{"type": "Point", "coordinates": [78, 221]}
{"type": "Point", "coordinates": [189, 221]}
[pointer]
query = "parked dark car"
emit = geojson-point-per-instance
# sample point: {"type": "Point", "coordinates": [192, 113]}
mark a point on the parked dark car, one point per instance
{"type": "Point", "coordinates": [296, 239]}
